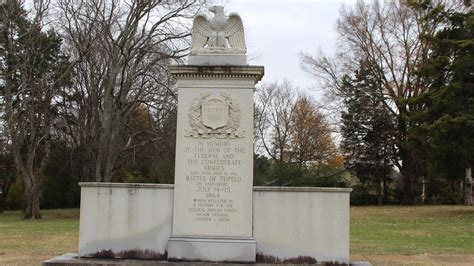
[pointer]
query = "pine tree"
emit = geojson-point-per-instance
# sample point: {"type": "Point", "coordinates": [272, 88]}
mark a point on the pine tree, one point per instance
{"type": "Point", "coordinates": [368, 131]}
{"type": "Point", "coordinates": [447, 118]}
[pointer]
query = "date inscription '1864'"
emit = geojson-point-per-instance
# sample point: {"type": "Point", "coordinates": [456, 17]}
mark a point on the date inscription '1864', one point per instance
{"type": "Point", "coordinates": [213, 174]}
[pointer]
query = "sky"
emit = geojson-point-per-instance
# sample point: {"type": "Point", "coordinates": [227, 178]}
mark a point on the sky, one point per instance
{"type": "Point", "coordinates": [277, 31]}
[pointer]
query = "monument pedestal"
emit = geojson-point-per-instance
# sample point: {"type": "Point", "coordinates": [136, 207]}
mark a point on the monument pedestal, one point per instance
{"type": "Point", "coordinates": [212, 212]}
{"type": "Point", "coordinates": [212, 249]}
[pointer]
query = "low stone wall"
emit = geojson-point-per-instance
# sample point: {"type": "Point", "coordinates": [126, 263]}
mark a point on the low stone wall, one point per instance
{"type": "Point", "coordinates": [125, 220]}
{"type": "Point", "coordinates": [289, 224]}
{"type": "Point", "coordinates": [295, 224]}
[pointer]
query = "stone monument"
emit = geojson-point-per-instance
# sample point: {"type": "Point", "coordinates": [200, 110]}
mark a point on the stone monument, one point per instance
{"type": "Point", "coordinates": [212, 211]}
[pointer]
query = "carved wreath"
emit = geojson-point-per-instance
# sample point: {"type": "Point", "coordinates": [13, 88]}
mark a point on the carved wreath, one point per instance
{"type": "Point", "coordinates": [200, 130]}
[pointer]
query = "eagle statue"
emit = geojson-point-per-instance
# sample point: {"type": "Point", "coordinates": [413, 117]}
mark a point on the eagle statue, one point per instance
{"type": "Point", "coordinates": [221, 34]}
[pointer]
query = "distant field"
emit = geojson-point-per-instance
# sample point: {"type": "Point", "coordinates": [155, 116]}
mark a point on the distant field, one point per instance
{"type": "Point", "coordinates": [421, 235]}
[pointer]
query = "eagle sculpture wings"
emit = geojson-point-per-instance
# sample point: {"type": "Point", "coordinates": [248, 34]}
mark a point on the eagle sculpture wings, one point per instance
{"type": "Point", "coordinates": [221, 34]}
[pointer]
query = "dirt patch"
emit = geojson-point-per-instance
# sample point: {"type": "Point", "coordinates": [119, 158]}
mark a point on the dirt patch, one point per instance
{"type": "Point", "coordinates": [425, 259]}
{"type": "Point", "coordinates": [469, 259]}
{"type": "Point", "coordinates": [23, 259]}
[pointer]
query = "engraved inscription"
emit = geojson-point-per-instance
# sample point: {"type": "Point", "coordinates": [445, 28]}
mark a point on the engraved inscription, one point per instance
{"type": "Point", "coordinates": [214, 177]}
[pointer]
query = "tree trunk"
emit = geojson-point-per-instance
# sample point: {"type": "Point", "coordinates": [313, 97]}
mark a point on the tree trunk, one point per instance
{"type": "Point", "coordinates": [378, 187]}
{"type": "Point", "coordinates": [423, 190]}
{"type": "Point", "coordinates": [379, 192]}
{"type": "Point", "coordinates": [407, 187]}
{"type": "Point", "coordinates": [385, 188]}
{"type": "Point", "coordinates": [405, 158]}
{"type": "Point", "coordinates": [32, 199]}
{"type": "Point", "coordinates": [468, 187]}
{"type": "Point", "coordinates": [1, 202]}
{"type": "Point", "coordinates": [5, 188]}
{"type": "Point", "coordinates": [107, 137]}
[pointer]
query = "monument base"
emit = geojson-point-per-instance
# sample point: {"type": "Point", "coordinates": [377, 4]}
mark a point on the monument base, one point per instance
{"type": "Point", "coordinates": [212, 249]}
{"type": "Point", "coordinates": [218, 59]}
{"type": "Point", "coordinates": [138, 224]}
{"type": "Point", "coordinates": [73, 259]}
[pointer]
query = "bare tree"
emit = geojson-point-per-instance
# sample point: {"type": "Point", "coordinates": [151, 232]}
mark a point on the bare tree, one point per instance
{"type": "Point", "coordinates": [289, 126]}
{"type": "Point", "coordinates": [33, 69]}
{"type": "Point", "coordinates": [124, 48]}
{"type": "Point", "coordinates": [275, 104]}
{"type": "Point", "coordinates": [388, 36]}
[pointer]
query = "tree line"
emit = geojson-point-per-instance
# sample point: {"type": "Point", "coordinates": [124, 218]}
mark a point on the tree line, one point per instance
{"type": "Point", "coordinates": [293, 140]}
{"type": "Point", "coordinates": [403, 81]}
{"type": "Point", "coordinates": [86, 96]}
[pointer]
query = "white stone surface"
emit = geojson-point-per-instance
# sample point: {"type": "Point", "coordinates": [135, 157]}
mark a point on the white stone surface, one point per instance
{"type": "Point", "coordinates": [214, 163]}
{"type": "Point", "coordinates": [212, 249]}
{"type": "Point", "coordinates": [288, 222]}
{"type": "Point", "coordinates": [294, 222]}
{"type": "Point", "coordinates": [125, 217]}
{"type": "Point", "coordinates": [214, 171]}
{"type": "Point", "coordinates": [218, 59]}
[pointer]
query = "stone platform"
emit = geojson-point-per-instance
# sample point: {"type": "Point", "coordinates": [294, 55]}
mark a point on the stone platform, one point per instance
{"type": "Point", "coordinates": [135, 221]}
{"type": "Point", "coordinates": [72, 259]}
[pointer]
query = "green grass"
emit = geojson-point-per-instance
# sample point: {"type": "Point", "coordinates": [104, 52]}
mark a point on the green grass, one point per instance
{"type": "Point", "coordinates": [412, 230]}
{"type": "Point", "coordinates": [28, 242]}
{"type": "Point", "coordinates": [392, 230]}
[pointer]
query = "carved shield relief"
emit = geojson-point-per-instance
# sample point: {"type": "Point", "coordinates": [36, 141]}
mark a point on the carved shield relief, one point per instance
{"type": "Point", "coordinates": [214, 115]}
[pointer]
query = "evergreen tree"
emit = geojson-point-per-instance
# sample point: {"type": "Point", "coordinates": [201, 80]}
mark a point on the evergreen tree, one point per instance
{"type": "Point", "coordinates": [368, 131]}
{"type": "Point", "coordinates": [446, 121]}
{"type": "Point", "coordinates": [387, 35]}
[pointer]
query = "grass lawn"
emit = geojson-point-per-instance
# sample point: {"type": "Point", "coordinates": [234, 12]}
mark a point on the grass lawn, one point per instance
{"type": "Point", "coordinates": [379, 234]}
{"type": "Point", "coordinates": [412, 230]}
{"type": "Point", "coordinates": [29, 242]}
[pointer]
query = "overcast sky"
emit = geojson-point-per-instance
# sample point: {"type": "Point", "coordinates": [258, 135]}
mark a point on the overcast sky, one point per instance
{"type": "Point", "coordinates": [277, 30]}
